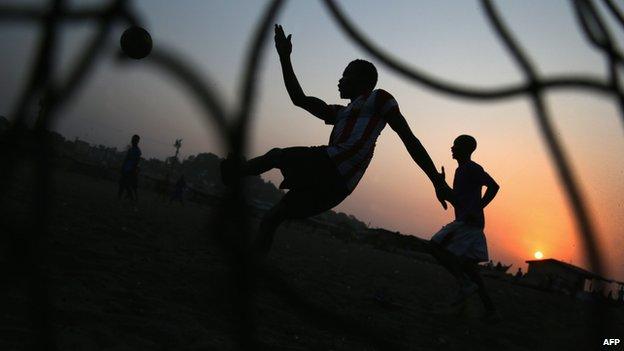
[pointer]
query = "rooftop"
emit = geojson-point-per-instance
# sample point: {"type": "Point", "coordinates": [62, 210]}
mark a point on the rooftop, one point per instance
{"type": "Point", "coordinates": [579, 270]}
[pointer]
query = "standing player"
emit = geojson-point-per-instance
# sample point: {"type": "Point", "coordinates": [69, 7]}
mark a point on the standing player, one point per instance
{"type": "Point", "coordinates": [128, 182]}
{"type": "Point", "coordinates": [460, 245]}
{"type": "Point", "coordinates": [321, 177]}
{"type": "Point", "coordinates": [178, 191]}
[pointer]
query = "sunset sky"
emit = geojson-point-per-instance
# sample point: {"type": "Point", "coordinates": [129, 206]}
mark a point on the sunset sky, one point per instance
{"type": "Point", "coordinates": [451, 40]}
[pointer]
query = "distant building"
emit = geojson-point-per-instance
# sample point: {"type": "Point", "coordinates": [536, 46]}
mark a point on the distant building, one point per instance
{"type": "Point", "coordinates": [564, 277]}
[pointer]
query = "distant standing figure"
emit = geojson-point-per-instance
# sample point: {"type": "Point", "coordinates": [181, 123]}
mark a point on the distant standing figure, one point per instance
{"type": "Point", "coordinates": [178, 191]}
{"type": "Point", "coordinates": [128, 182]}
{"type": "Point", "coordinates": [460, 245]}
{"type": "Point", "coordinates": [519, 273]}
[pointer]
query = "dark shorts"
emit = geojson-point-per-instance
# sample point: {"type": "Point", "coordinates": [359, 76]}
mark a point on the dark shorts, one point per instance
{"type": "Point", "coordinates": [314, 182]}
{"type": "Point", "coordinates": [129, 180]}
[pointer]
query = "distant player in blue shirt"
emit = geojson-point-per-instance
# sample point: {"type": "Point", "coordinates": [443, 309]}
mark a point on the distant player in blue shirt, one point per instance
{"type": "Point", "coordinates": [460, 245]}
{"type": "Point", "coordinates": [128, 182]}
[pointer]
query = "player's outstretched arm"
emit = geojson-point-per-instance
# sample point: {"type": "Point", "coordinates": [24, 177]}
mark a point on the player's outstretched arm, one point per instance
{"type": "Point", "coordinates": [450, 192]}
{"type": "Point", "coordinates": [314, 105]}
{"type": "Point", "coordinates": [418, 153]}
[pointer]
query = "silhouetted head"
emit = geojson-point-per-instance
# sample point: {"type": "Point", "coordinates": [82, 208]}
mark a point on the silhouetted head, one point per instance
{"type": "Point", "coordinates": [135, 140]}
{"type": "Point", "coordinates": [358, 78]}
{"type": "Point", "coordinates": [463, 146]}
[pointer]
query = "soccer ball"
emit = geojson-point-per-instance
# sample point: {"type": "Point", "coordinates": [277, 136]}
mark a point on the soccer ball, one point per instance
{"type": "Point", "coordinates": [136, 42]}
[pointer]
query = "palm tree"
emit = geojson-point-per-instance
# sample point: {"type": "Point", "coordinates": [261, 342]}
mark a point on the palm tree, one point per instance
{"type": "Point", "coordinates": [172, 162]}
{"type": "Point", "coordinates": [177, 144]}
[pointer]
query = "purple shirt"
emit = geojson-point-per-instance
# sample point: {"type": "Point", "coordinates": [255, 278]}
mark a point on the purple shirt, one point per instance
{"type": "Point", "coordinates": [133, 156]}
{"type": "Point", "coordinates": [469, 178]}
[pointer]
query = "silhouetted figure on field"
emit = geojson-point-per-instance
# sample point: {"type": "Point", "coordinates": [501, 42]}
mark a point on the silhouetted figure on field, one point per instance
{"type": "Point", "coordinates": [128, 183]}
{"type": "Point", "coordinates": [163, 187]}
{"type": "Point", "coordinates": [178, 191]}
{"type": "Point", "coordinates": [460, 245]}
{"type": "Point", "coordinates": [321, 177]}
{"type": "Point", "coordinates": [518, 274]}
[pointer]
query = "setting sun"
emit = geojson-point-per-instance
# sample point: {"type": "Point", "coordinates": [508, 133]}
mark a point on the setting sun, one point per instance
{"type": "Point", "coordinates": [538, 255]}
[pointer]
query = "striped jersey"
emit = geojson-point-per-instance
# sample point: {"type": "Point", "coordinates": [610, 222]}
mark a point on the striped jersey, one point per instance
{"type": "Point", "coordinates": [356, 129]}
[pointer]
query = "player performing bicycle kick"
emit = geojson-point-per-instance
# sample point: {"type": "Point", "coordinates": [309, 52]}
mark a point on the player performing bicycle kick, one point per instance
{"type": "Point", "coordinates": [321, 177]}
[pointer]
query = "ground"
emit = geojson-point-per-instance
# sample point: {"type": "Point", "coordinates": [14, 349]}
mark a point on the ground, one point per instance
{"type": "Point", "coordinates": [155, 279]}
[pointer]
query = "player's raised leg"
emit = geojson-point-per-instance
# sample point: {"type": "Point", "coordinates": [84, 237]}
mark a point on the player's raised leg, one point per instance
{"type": "Point", "coordinates": [232, 168]}
{"type": "Point", "coordinates": [271, 220]}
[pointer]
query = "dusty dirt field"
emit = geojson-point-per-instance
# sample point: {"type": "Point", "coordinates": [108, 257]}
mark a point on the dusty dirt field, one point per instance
{"type": "Point", "coordinates": [155, 280]}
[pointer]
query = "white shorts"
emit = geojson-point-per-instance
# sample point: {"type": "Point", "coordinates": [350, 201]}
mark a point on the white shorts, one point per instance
{"type": "Point", "coordinates": [463, 240]}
